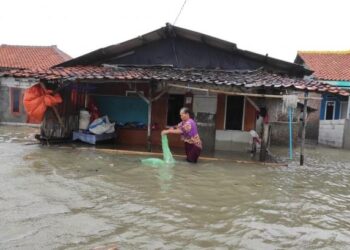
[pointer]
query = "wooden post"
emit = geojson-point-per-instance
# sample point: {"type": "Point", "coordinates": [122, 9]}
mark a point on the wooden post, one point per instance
{"type": "Point", "coordinates": [264, 141]}
{"type": "Point", "coordinates": [149, 122]}
{"type": "Point", "coordinates": [302, 145]}
{"type": "Point", "coordinates": [149, 101]}
{"type": "Point", "coordinates": [149, 127]}
{"type": "Point", "coordinates": [53, 107]}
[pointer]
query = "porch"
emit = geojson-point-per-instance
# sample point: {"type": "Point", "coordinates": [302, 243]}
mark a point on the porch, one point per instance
{"type": "Point", "coordinates": [225, 102]}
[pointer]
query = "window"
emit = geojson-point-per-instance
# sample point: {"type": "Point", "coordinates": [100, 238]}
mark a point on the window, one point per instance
{"type": "Point", "coordinates": [15, 100]}
{"type": "Point", "coordinates": [175, 103]}
{"type": "Point", "coordinates": [234, 112]}
{"type": "Point", "coordinates": [343, 110]}
{"type": "Point", "coordinates": [330, 110]}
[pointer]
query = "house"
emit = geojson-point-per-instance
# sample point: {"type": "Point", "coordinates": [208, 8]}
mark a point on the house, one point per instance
{"type": "Point", "coordinates": [11, 90]}
{"type": "Point", "coordinates": [331, 67]}
{"type": "Point", "coordinates": [142, 83]}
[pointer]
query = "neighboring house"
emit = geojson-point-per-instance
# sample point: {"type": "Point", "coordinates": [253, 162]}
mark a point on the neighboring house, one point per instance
{"type": "Point", "coordinates": [11, 90]}
{"type": "Point", "coordinates": [174, 67]}
{"type": "Point", "coordinates": [332, 67]}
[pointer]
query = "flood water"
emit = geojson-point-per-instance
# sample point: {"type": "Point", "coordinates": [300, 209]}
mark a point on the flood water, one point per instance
{"type": "Point", "coordinates": [65, 198]}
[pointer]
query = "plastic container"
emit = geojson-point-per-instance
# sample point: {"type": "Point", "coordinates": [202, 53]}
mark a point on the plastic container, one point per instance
{"type": "Point", "coordinates": [84, 119]}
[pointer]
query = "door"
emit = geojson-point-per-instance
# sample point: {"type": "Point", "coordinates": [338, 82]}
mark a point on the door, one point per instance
{"type": "Point", "coordinates": [249, 116]}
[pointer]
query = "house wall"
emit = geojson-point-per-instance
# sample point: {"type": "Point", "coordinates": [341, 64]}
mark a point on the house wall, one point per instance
{"type": "Point", "coordinates": [280, 133]}
{"type": "Point", "coordinates": [279, 121]}
{"type": "Point", "coordinates": [115, 107]}
{"type": "Point", "coordinates": [185, 53]}
{"type": "Point", "coordinates": [5, 99]}
{"type": "Point", "coordinates": [346, 141]}
{"type": "Point", "coordinates": [204, 108]}
{"type": "Point", "coordinates": [123, 109]}
{"type": "Point", "coordinates": [331, 133]}
{"type": "Point", "coordinates": [233, 140]}
{"type": "Point", "coordinates": [313, 120]}
{"type": "Point", "coordinates": [329, 97]}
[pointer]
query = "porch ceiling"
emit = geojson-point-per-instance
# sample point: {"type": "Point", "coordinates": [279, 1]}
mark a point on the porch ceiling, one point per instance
{"type": "Point", "coordinates": [241, 78]}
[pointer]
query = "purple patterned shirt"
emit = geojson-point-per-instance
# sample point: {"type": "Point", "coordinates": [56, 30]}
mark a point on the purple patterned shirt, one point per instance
{"type": "Point", "coordinates": [190, 132]}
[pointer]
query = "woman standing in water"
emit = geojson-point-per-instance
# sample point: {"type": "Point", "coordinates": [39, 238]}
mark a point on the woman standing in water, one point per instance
{"type": "Point", "coordinates": [187, 128]}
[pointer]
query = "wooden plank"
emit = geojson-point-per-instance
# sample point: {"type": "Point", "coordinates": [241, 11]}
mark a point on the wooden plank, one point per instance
{"type": "Point", "coordinates": [249, 116]}
{"type": "Point", "coordinates": [237, 93]}
{"type": "Point", "coordinates": [220, 112]}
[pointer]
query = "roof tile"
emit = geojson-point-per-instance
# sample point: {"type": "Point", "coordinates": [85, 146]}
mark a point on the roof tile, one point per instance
{"type": "Point", "coordinates": [328, 65]}
{"type": "Point", "coordinates": [30, 57]}
{"type": "Point", "coordinates": [246, 78]}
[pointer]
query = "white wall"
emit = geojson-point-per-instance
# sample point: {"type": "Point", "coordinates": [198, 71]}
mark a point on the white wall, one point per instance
{"type": "Point", "coordinates": [232, 140]}
{"type": "Point", "coordinates": [204, 103]}
{"type": "Point", "coordinates": [17, 83]}
{"type": "Point", "coordinates": [331, 133]}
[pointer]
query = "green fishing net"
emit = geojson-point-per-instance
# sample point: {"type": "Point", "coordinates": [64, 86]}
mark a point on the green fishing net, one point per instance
{"type": "Point", "coordinates": [167, 155]}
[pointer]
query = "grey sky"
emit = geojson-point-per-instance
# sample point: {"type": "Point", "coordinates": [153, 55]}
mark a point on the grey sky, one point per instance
{"type": "Point", "coordinates": [276, 27]}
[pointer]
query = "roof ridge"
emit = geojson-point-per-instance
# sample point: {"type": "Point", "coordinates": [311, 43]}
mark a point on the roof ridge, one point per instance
{"type": "Point", "coordinates": [28, 46]}
{"type": "Point", "coordinates": [326, 52]}
{"type": "Point", "coordinates": [106, 53]}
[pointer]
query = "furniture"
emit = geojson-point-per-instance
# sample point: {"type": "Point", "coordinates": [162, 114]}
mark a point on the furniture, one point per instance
{"type": "Point", "coordinates": [92, 138]}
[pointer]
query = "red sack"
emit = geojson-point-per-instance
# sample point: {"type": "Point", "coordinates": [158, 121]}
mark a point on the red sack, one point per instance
{"type": "Point", "coordinates": [36, 100]}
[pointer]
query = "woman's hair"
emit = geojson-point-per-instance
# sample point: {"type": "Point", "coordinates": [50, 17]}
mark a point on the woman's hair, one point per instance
{"type": "Point", "coordinates": [187, 111]}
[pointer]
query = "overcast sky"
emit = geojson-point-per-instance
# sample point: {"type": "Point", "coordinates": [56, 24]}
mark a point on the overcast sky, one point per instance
{"type": "Point", "coordinates": [276, 27]}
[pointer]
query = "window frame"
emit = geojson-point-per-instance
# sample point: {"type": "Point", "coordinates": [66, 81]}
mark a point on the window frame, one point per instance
{"type": "Point", "coordinates": [325, 110]}
{"type": "Point", "coordinates": [12, 89]}
{"type": "Point", "coordinates": [343, 105]}
{"type": "Point", "coordinates": [243, 115]}
{"type": "Point", "coordinates": [167, 110]}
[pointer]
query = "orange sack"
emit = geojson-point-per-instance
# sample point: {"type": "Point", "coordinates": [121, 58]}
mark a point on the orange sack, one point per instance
{"type": "Point", "coordinates": [36, 100]}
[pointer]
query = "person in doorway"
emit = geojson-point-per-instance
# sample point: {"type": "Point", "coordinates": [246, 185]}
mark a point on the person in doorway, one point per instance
{"type": "Point", "coordinates": [187, 128]}
{"type": "Point", "coordinates": [263, 118]}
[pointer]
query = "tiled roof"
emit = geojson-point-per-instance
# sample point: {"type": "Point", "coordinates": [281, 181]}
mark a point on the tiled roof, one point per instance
{"type": "Point", "coordinates": [245, 78]}
{"type": "Point", "coordinates": [328, 65]}
{"type": "Point", "coordinates": [29, 57]}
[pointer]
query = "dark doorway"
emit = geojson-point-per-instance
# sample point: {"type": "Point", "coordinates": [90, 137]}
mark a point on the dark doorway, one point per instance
{"type": "Point", "coordinates": [175, 103]}
{"type": "Point", "coordinates": [234, 112]}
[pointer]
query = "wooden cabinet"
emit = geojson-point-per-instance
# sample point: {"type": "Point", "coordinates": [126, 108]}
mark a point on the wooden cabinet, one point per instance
{"type": "Point", "coordinates": [138, 137]}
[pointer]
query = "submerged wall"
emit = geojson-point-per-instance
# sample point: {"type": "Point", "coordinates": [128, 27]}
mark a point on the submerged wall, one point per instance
{"type": "Point", "coordinates": [279, 121]}
{"type": "Point", "coordinates": [331, 133]}
{"type": "Point", "coordinates": [280, 133]}
{"type": "Point", "coordinates": [346, 143]}
{"type": "Point", "coordinates": [232, 140]}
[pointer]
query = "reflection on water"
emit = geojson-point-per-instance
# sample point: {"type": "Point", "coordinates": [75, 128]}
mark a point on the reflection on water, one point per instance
{"type": "Point", "coordinates": [55, 198]}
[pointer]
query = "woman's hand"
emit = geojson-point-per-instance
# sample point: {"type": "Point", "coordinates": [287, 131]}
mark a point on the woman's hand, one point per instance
{"type": "Point", "coordinates": [165, 132]}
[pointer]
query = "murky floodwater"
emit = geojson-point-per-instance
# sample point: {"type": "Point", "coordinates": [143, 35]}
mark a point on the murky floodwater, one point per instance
{"type": "Point", "coordinates": [54, 198]}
